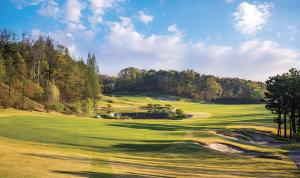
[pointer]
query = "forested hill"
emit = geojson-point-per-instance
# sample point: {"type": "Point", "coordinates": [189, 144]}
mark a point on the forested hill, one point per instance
{"type": "Point", "coordinates": [186, 83]}
{"type": "Point", "coordinates": [44, 71]}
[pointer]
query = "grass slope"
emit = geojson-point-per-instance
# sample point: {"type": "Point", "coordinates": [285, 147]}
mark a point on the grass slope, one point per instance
{"type": "Point", "coordinates": [36, 144]}
{"type": "Point", "coordinates": [28, 103]}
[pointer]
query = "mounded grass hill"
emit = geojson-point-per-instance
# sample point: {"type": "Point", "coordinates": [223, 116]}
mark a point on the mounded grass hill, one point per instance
{"type": "Point", "coordinates": [36, 144]}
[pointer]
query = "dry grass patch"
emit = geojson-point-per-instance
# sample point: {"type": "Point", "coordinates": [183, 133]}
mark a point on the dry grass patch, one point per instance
{"type": "Point", "coordinates": [25, 159]}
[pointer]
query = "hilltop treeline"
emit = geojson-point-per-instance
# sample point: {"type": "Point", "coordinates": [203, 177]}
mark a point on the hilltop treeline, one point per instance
{"type": "Point", "coordinates": [283, 100]}
{"type": "Point", "coordinates": [45, 72]}
{"type": "Point", "coordinates": [186, 83]}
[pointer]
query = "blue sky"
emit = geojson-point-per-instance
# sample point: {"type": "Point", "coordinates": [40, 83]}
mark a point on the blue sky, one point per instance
{"type": "Point", "coordinates": [230, 38]}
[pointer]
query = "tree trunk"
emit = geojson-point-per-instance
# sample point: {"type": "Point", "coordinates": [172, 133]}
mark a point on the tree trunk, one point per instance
{"type": "Point", "coordinates": [94, 103]}
{"type": "Point", "coordinates": [33, 71]}
{"type": "Point", "coordinates": [279, 125]}
{"type": "Point", "coordinates": [293, 122]}
{"type": "Point", "coordinates": [23, 93]}
{"type": "Point", "coordinates": [284, 120]}
{"type": "Point", "coordinates": [9, 83]}
{"type": "Point", "coordinates": [298, 128]}
{"type": "Point", "coordinates": [38, 71]}
{"type": "Point", "coordinates": [291, 129]}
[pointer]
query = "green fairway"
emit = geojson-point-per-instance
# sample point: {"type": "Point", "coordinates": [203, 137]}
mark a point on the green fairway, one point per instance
{"type": "Point", "coordinates": [36, 144]}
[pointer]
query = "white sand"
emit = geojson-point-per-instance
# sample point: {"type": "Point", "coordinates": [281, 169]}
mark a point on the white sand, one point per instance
{"type": "Point", "coordinates": [224, 148]}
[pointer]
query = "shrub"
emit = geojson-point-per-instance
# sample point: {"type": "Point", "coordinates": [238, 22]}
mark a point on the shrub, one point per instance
{"type": "Point", "coordinates": [180, 114]}
{"type": "Point", "coordinates": [109, 108]}
{"type": "Point", "coordinates": [58, 107]}
{"type": "Point", "coordinates": [6, 102]}
{"type": "Point", "coordinates": [52, 93]}
{"type": "Point", "coordinates": [17, 104]}
{"type": "Point", "coordinates": [168, 106]}
{"type": "Point", "coordinates": [110, 101]}
{"type": "Point", "coordinates": [76, 107]}
{"type": "Point", "coordinates": [67, 110]}
{"type": "Point", "coordinates": [87, 106]}
{"type": "Point", "coordinates": [179, 111]}
{"type": "Point", "coordinates": [126, 117]}
{"type": "Point", "coordinates": [171, 115]}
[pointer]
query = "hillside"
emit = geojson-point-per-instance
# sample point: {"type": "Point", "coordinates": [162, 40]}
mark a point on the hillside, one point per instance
{"type": "Point", "coordinates": [16, 99]}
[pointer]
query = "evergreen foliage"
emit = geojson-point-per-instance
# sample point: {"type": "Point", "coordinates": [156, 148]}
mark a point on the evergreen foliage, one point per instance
{"type": "Point", "coordinates": [283, 100]}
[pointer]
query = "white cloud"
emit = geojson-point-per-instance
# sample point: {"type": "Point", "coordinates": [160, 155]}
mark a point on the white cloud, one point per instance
{"type": "Point", "coordinates": [145, 18]}
{"type": "Point", "coordinates": [125, 46]}
{"type": "Point", "coordinates": [79, 41]}
{"type": "Point", "coordinates": [70, 35]}
{"type": "Point", "coordinates": [36, 33]}
{"type": "Point", "coordinates": [292, 29]}
{"type": "Point", "coordinates": [75, 35]}
{"type": "Point", "coordinates": [292, 32]}
{"type": "Point", "coordinates": [229, 1]}
{"type": "Point", "coordinates": [99, 8]}
{"type": "Point", "coordinates": [50, 9]}
{"type": "Point", "coordinates": [73, 10]}
{"type": "Point", "coordinates": [174, 29]}
{"type": "Point", "coordinates": [20, 4]}
{"type": "Point", "coordinates": [67, 39]}
{"type": "Point", "coordinates": [253, 59]}
{"type": "Point", "coordinates": [250, 18]}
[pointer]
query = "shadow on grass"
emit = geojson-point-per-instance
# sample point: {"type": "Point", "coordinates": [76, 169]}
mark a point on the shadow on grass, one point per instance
{"type": "Point", "coordinates": [253, 115]}
{"type": "Point", "coordinates": [184, 168]}
{"type": "Point", "coordinates": [164, 168]}
{"type": "Point", "coordinates": [95, 174]}
{"type": "Point", "coordinates": [214, 123]}
{"type": "Point", "coordinates": [263, 118]}
{"type": "Point", "coordinates": [125, 140]}
{"type": "Point", "coordinates": [182, 147]}
{"type": "Point", "coordinates": [158, 127]}
{"type": "Point", "coordinates": [82, 146]}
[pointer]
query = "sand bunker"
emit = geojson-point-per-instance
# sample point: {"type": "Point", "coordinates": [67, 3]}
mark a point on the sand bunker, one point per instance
{"type": "Point", "coordinates": [225, 148]}
{"type": "Point", "coordinates": [233, 136]}
{"type": "Point", "coordinates": [265, 139]}
{"type": "Point", "coordinates": [258, 138]}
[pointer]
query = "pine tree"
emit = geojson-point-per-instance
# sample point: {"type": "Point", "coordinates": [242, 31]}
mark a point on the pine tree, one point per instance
{"type": "Point", "coordinates": [92, 83]}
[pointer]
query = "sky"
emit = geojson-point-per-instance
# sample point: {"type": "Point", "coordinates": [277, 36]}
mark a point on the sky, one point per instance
{"type": "Point", "coordinates": [227, 38]}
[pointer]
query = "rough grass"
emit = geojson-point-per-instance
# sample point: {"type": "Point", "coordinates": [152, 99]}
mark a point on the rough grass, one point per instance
{"type": "Point", "coordinates": [36, 144]}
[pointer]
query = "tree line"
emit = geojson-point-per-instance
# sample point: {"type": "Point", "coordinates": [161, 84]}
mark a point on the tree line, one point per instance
{"type": "Point", "coordinates": [283, 100]}
{"type": "Point", "coordinates": [186, 83]}
{"type": "Point", "coordinates": [44, 71]}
